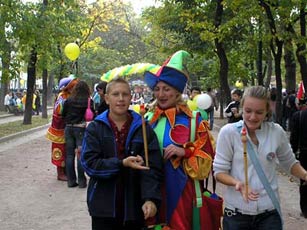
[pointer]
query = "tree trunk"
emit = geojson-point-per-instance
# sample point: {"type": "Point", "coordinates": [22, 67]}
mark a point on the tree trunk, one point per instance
{"type": "Point", "coordinates": [278, 44]}
{"type": "Point", "coordinates": [31, 70]}
{"type": "Point", "coordinates": [259, 64]}
{"type": "Point", "coordinates": [290, 65]}
{"type": "Point", "coordinates": [50, 90]}
{"type": "Point", "coordinates": [301, 47]}
{"type": "Point", "coordinates": [44, 94]}
{"type": "Point", "coordinates": [223, 73]}
{"type": "Point", "coordinates": [269, 65]}
{"type": "Point", "coordinates": [278, 57]}
{"type": "Point", "coordinates": [5, 77]}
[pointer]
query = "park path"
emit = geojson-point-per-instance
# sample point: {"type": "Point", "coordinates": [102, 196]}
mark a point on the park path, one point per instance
{"type": "Point", "coordinates": [32, 199]}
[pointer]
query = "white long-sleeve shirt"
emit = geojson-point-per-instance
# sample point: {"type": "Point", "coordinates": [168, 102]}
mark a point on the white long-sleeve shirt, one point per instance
{"type": "Point", "coordinates": [7, 99]}
{"type": "Point", "coordinates": [273, 149]}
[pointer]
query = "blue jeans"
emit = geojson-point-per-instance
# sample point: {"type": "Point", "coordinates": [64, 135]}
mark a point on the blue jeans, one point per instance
{"type": "Point", "coordinates": [211, 118]}
{"type": "Point", "coordinates": [269, 220]}
{"type": "Point", "coordinates": [73, 140]}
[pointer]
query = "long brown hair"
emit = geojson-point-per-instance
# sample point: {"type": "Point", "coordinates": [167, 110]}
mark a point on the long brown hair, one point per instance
{"type": "Point", "coordinates": [81, 90]}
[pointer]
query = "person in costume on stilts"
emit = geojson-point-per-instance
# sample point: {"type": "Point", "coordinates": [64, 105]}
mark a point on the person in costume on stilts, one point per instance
{"type": "Point", "coordinates": [184, 160]}
{"type": "Point", "coordinates": [55, 132]}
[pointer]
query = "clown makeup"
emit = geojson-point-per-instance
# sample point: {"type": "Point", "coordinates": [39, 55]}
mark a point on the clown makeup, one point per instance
{"type": "Point", "coordinates": [166, 95]}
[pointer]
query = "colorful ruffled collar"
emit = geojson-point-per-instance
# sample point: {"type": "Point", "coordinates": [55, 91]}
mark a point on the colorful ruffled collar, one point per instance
{"type": "Point", "coordinates": [170, 113]}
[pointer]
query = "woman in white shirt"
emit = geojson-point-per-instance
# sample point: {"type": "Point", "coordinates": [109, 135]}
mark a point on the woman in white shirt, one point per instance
{"type": "Point", "coordinates": [271, 145]}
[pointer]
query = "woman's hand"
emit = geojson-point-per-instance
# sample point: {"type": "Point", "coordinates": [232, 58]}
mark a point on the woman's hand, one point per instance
{"type": "Point", "coordinates": [252, 195]}
{"type": "Point", "coordinates": [173, 150]}
{"type": "Point", "coordinates": [149, 208]}
{"type": "Point", "coordinates": [135, 162]}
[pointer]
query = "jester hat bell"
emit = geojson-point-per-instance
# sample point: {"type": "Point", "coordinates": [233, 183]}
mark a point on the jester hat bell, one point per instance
{"type": "Point", "coordinates": [172, 72]}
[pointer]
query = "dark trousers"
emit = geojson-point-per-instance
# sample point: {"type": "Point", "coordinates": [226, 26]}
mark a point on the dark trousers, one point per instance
{"type": "Point", "coordinates": [265, 221]}
{"type": "Point", "coordinates": [73, 140]}
{"type": "Point", "coordinates": [99, 223]}
{"type": "Point", "coordinates": [303, 187]}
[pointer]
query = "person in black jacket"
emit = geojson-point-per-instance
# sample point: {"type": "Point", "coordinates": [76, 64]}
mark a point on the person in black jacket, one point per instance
{"type": "Point", "coordinates": [101, 90]}
{"type": "Point", "coordinates": [73, 114]}
{"type": "Point", "coordinates": [122, 192]}
{"type": "Point", "coordinates": [232, 110]}
{"type": "Point", "coordinates": [298, 143]}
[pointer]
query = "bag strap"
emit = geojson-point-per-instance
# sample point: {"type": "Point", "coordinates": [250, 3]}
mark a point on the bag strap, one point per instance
{"type": "Point", "coordinates": [89, 103]}
{"type": "Point", "coordinates": [263, 177]}
{"type": "Point", "coordinates": [261, 174]}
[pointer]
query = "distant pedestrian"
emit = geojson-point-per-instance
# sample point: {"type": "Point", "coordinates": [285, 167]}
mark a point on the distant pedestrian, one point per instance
{"type": "Point", "coordinates": [273, 93]}
{"type": "Point", "coordinates": [214, 105]}
{"type": "Point", "coordinates": [7, 98]}
{"type": "Point", "coordinates": [74, 116]}
{"type": "Point", "coordinates": [101, 90]}
{"type": "Point", "coordinates": [292, 105]}
{"type": "Point", "coordinates": [37, 102]}
{"type": "Point", "coordinates": [232, 110]}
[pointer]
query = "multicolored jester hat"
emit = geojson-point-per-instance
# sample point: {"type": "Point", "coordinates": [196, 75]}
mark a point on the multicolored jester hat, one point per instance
{"type": "Point", "coordinates": [176, 61]}
{"type": "Point", "coordinates": [128, 70]}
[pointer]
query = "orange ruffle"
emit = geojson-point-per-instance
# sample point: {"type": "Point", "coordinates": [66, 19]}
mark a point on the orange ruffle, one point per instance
{"type": "Point", "coordinates": [170, 113]}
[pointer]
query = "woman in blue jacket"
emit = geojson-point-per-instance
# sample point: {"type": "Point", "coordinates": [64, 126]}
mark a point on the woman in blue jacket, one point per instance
{"type": "Point", "coordinates": [122, 192]}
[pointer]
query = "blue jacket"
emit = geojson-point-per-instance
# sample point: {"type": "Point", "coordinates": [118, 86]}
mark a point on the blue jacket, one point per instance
{"type": "Point", "coordinates": [100, 162]}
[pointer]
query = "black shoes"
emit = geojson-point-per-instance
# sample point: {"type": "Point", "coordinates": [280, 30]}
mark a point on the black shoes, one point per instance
{"type": "Point", "coordinates": [82, 183]}
{"type": "Point", "coordinates": [72, 184]}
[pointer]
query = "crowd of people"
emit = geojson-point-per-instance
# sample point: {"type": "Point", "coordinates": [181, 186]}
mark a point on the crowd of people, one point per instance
{"type": "Point", "coordinates": [16, 102]}
{"type": "Point", "coordinates": [142, 165]}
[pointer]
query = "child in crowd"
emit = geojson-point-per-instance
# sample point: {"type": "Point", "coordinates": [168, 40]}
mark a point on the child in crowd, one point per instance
{"type": "Point", "coordinates": [232, 111]}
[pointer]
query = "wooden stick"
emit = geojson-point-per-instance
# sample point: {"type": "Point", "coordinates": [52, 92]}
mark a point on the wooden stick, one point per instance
{"type": "Point", "coordinates": [142, 112]}
{"type": "Point", "coordinates": [244, 142]}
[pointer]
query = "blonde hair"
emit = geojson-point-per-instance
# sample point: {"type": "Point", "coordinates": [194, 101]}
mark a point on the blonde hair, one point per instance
{"type": "Point", "coordinates": [261, 93]}
{"type": "Point", "coordinates": [114, 81]}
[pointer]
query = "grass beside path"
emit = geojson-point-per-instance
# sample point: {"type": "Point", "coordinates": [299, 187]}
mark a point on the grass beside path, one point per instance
{"type": "Point", "coordinates": [17, 126]}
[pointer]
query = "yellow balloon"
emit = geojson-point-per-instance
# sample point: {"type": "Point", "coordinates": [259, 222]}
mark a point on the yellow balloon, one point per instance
{"type": "Point", "coordinates": [192, 105]}
{"type": "Point", "coordinates": [239, 84]}
{"type": "Point", "coordinates": [72, 51]}
{"type": "Point", "coordinates": [136, 108]}
{"type": "Point", "coordinates": [195, 98]}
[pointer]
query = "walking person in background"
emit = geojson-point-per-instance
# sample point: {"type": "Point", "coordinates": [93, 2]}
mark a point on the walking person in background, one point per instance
{"type": "Point", "coordinates": [273, 93]}
{"type": "Point", "coordinates": [37, 102]}
{"type": "Point", "coordinates": [74, 116]}
{"type": "Point", "coordinates": [292, 105]}
{"type": "Point", "coordinates": [194, 92]}
{"type": "Point", "coordinates": [298, 142]}
{"type": "Point", "coordinates": [7, 98]}
{"type": "Point", "coordinates": [171, 119]}
{"type": "Point", "coordinates": [122, 192]}
{"type": "Point", "coordinates": [232, 110]}
{"type": "Point", "coordinates": [269, 142]}
{"type": "Point", "coordinates": [214, 105]}
{"type": "Point", "coordinates": [101, 90]}
{"type": "Point", "coordinates": [55, 132]}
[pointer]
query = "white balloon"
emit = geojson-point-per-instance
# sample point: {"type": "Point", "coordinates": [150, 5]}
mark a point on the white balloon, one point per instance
{"type": "Point", "coordinates": [203, 101]}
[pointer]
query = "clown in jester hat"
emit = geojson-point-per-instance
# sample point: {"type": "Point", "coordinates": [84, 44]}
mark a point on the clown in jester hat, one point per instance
{"type": "Point", "coordinates": [186, 158]}
{"type": "Point", "coordinates": [55, 132]}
